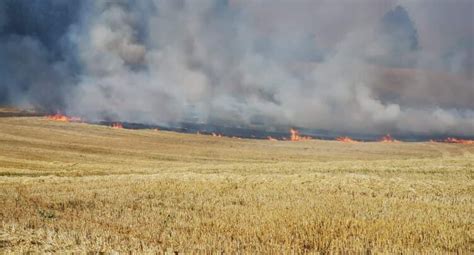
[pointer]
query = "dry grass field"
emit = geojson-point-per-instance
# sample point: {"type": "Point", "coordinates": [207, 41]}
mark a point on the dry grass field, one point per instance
{"type": "Point", "coordinates": [73, 187]}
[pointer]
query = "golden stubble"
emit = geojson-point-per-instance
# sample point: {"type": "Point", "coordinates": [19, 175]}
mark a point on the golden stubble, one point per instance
{"type": "Point", "coordinates": [74, 187]}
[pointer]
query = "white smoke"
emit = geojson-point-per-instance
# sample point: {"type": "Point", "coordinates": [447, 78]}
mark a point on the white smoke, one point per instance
{"type": "Point", "coordinates": [267, 64]}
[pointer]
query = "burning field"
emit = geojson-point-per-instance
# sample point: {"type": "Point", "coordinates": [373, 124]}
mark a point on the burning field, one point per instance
{"type": "Point", "coordinates": [69, 186]}
{"type": "Point", "coordinates": [236, 126]}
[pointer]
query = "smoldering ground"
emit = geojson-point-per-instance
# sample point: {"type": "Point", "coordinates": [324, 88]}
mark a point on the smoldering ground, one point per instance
{"type": "Point", "coordinates": [362, 67]}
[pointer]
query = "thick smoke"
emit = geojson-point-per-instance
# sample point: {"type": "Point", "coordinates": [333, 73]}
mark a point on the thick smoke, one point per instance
{"type": "Point", "coordinates": [367, 67]}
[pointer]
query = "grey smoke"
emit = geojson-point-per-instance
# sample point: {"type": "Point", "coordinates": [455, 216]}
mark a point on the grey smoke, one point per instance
{"type": "Point", "coordinates": [364, 67]}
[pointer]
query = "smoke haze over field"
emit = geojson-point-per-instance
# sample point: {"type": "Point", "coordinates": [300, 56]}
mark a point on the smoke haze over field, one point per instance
{"type": "Point", "coordinates": [349, 66]}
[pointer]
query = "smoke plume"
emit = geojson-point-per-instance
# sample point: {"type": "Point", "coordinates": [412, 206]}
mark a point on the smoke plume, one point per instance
{"type": "Point", "coordinates": [367, 67]}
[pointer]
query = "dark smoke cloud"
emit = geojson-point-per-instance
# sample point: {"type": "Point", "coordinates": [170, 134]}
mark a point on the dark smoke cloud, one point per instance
{"type": "Point", "coordinates": [347, 66]}
{"type": "Point", "coordinates": [34, 53]}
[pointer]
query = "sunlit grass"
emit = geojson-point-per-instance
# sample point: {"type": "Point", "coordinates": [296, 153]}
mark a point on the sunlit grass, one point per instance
{"type": "Point", "coordinates": [78, 187]}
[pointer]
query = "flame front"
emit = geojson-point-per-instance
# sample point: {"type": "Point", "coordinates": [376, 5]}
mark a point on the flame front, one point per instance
{"type": "Point", "coordinates": [456, 140]}
{"type": "Point", "coordinates": [271, 138]}
{"type": "Point", "coordinates": [117, 125]}
{"type": "Point", "coordinates": [295, 136]}
{"type": "Point", "coordinates": [346, 139]}
{"type": "Point", "coordinates": [388, 139]}
{"type": "Point", "coordinates": [63, 118]}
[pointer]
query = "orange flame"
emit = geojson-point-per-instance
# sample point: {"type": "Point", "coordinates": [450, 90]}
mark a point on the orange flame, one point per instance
{"type": "Point", "coordinates": [117, 125]}
{"type": "Point", "coordinates": [388, 139]}
{"type": "Point", "coordinates": [271, 138]}
{"type": "Point", "coordinates": [346, 139]}
{"type": "Point", "coordinates": [295, 136]}
{"type": "Point", "coordinates": [63, 118]}
{"type": "Point", "coordinates": [460, 141]}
